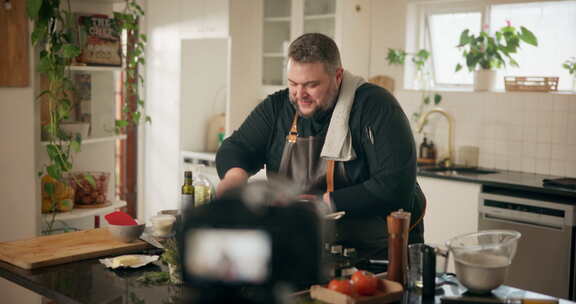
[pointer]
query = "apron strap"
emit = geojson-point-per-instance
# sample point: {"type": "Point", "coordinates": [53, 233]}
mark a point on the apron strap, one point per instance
{"type": "Point", "coordinates": [330, 175]}
{"type": "Point", "coordinates": [291, 137]}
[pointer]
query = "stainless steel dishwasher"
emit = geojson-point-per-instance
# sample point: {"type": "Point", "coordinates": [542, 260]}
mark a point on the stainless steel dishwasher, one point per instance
{"type": "Point", "coordinates": [544, 260]}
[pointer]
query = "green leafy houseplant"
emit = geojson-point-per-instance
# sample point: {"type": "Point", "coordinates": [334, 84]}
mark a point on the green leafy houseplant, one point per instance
{"type": "Point", "coordinates": [54, 31]}
{"type": "Point", "coordinates": [420, 58]}
{"type": "Point", "coordinates": [570, 65]}
{"type": "Point", "coordinates": [492, 52]}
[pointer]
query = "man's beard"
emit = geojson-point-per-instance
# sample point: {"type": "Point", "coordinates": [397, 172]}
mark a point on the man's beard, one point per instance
{"type": "Point", "coordinates": [325, 107]}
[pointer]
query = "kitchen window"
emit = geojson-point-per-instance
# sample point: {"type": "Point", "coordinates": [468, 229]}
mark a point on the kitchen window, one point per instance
{"type": "Point", "coordinates": [553, 23]}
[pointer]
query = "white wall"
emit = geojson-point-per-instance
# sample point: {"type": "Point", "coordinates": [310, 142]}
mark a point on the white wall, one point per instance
{"type": "Point", "coordinates": [204, 87]}
{"type": "Point", "coordinates": [529, 132]}
{"type": "Point", "coordinates": [19, 207]}
{"type": "Point", "coordinates": [161, 164]}
{"type": "Point", "coordinates": [168, 23]}
{"type": "Point", "coordinates": [353, 27]}
{"type": "Point", "coordinates": [245, 57]}
{"type": "Point", "coordinates": [388, 30]}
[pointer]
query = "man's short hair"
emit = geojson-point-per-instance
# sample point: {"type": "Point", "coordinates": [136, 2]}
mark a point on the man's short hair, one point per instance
{"type": "Point", "coordinates": [316, 47]}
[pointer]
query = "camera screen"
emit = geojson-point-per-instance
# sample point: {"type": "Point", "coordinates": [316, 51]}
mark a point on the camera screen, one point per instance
{"type": "Point", "coordinates": [229, 255]}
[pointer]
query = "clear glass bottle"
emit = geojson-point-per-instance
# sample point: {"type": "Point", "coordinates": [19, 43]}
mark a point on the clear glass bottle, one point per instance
{"type": "Point", "coordinates": [203, 188]}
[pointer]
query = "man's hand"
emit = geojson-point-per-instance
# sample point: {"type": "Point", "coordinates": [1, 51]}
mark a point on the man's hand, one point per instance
{"type": "Point", "coordinates": [235, 177]}
{"type": "Point", "coordinates": [322, 202]}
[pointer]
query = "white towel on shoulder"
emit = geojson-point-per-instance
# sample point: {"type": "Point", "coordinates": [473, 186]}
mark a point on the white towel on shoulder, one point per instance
{"type": "Point", "coordinates": [338, 142]}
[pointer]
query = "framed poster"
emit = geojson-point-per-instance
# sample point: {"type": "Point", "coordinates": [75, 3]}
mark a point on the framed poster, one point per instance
{"type": "Point", "coordinates": [99, 39]}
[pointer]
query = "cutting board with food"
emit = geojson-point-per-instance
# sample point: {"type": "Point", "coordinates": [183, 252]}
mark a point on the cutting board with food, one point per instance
{"type": "Point", "coordinates": [363, 288]}
{"type": "Point", "coordinates": [64, 248]}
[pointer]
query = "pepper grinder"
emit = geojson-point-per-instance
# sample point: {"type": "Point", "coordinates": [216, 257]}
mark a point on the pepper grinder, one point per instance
{"type": "Point", "coordinates": [398, 223]}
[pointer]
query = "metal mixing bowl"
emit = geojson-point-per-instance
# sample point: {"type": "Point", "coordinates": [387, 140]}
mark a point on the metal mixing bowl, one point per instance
{"type": "Point", "coordinates": [482, 258]}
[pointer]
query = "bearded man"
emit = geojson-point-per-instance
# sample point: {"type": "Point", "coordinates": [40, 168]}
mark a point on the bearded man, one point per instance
{"type": "Point", "coordinates": [344, 141]}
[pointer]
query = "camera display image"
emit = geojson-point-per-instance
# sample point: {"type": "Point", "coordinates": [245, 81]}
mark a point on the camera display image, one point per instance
{"type": "Point", "coordinates": [229, 255]}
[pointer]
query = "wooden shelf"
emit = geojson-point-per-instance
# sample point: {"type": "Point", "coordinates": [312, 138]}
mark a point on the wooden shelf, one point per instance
{"type": "Point", "coordinates": [207, 156]}
{"type": "Point", "coordinates": [320, 17]}
{"type": "Point", "coordinates": [273, 55]}
{"type": "Point", "coordinates": [103, 139]}
{"type": "Point", "coordinates": [87, 68]}
{"type": "Point", "coordinates": [277, 19]}
{"type": "Point", "coordinates": [78, 213]}
{"type": "Point", "coordinates": [100, 1]}
{"type": "Point", "coordinates": [98, 139]}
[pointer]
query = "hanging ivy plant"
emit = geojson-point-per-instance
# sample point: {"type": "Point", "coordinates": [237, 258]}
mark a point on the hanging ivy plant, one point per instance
{"type": "Point", "coordinates": [134, 57]}
{"type": "Point", "coordinates": [53, 34]}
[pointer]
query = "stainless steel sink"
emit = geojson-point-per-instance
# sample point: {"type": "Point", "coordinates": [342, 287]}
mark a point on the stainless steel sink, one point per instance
{"type": "Point", "coordinates": [458, 170]}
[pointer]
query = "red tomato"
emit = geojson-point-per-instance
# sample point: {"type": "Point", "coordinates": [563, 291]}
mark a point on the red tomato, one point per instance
{"type": "Point", "coordinates": [364, 283]}
{"type": "Point", "coordinates": [341, 286]}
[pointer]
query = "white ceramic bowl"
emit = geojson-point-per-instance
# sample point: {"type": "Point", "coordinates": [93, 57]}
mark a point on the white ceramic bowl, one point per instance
{"type": "Point", "coordinates": [126, 234]}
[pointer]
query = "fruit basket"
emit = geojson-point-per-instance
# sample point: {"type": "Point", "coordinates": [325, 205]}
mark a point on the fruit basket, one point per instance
{"type": "Point", "coordinates": [91, 189]}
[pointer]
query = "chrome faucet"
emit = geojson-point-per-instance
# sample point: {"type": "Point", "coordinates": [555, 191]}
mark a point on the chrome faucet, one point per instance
{"type": "Point", "coordinates": [449, 161]}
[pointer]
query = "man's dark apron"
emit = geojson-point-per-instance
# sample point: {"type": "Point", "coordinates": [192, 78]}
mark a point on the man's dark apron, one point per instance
{"type": "Point", "coordinates": [302, 164]}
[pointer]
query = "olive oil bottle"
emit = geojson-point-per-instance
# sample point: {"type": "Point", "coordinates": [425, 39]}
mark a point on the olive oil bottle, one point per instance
{"type": "Point", "coordinates": [187, 191]}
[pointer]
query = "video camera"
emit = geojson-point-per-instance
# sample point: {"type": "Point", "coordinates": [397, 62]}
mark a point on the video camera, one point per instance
{"type": "Point", "coordinates": [235, 243]}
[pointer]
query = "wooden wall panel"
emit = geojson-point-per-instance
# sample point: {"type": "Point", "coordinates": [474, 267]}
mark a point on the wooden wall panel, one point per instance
{"type": "Point", "coordinates": [14, 45]}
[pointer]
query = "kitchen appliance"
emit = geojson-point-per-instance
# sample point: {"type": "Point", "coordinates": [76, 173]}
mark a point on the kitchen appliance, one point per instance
{"type": "Point", "coordinates": [544, 261]}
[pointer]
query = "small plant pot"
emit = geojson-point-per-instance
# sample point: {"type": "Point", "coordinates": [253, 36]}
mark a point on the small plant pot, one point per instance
{"type": "Point", "coordinates": [484, 80]}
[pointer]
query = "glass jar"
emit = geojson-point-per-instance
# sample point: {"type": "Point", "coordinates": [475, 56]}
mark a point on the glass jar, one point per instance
{"type": "Point", "coordinates": [204, 190]}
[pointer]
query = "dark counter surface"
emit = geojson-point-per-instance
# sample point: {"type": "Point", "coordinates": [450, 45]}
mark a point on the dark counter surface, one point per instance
{"type": "Point", "coordinates": [91, 282]}
{"type": "Point", "coordinates": [506, 179]}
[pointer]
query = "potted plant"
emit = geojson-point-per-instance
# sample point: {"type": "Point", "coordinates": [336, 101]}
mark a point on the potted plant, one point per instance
{"type": "Point", "coordinates": [54, 31]}
{"type": "Point", "coordinates": [423, 79]}
{"type": "Point", "coordinates": [570, 65]}
{"type": "Point", "coordinates": [483, 53]}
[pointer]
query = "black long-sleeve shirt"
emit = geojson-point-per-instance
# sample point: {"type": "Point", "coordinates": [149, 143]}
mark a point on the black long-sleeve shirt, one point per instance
{"type": "Point", "coordinates": [384, 173]}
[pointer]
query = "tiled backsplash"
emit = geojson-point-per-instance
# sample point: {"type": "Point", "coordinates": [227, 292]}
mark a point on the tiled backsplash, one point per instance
{"type": "Point", "coordinates": [529, 132]}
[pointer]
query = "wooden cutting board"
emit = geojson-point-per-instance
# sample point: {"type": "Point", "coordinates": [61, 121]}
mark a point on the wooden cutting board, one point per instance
{"type": "Point", "coordinates": [63, 248]}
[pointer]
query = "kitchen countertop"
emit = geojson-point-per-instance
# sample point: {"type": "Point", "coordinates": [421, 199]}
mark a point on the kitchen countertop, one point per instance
{"type": "Point", "coordinates": [506, 179]}
{"type": "Point", "coordinates": [89, 281]}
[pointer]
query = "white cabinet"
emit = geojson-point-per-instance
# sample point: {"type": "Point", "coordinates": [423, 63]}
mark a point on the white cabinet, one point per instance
{"type": "Point", "coordinates": [452, 208]}
{"type": "Point", "coordinates": [283, 21]}
{"type": "Point", "coordinates": [347, 22]}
